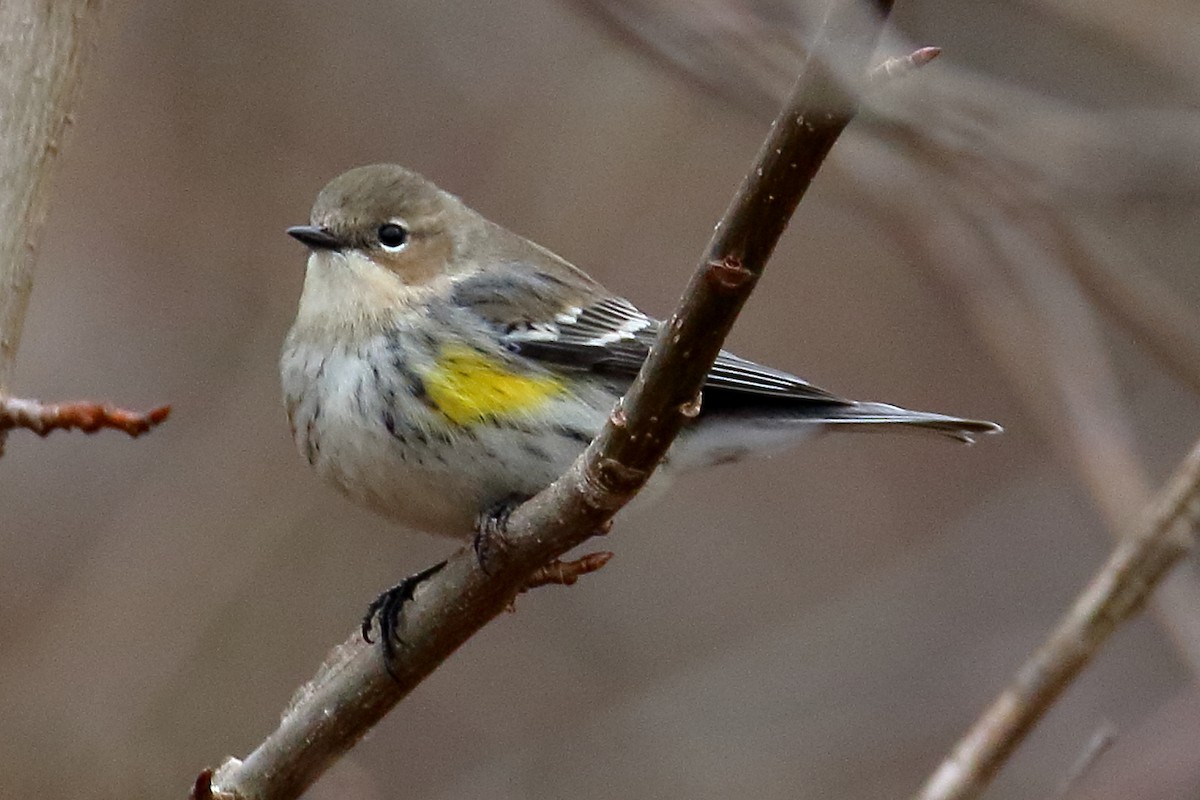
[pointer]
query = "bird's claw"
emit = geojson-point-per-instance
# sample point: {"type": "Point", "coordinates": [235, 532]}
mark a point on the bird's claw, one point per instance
{"type": "Point", "coordinates": [490, 527]}
{"type": "Point", "coordinates": [387, 608]}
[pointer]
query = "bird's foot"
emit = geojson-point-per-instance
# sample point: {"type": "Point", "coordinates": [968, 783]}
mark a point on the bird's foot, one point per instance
{"type": "Point", "coordinates": [387, 609]}
{"type": "Point", "coordinates": [490, 527]}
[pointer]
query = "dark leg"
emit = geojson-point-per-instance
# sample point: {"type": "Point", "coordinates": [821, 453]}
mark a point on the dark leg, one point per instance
{"type": "Point", "coordinates": [489, 530]}
{"type": "Point", "coordinates": [387, 608]}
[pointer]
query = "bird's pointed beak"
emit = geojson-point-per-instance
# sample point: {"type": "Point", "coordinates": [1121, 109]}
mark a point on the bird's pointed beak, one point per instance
{"type": "Point", "coordinates": [315, 238]}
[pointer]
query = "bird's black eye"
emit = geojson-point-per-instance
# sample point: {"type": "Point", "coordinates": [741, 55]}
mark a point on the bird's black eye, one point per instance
{"type": "Point", "coordinates": [392, 236]}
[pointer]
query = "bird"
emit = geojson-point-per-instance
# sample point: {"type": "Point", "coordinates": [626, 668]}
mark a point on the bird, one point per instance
{"type": "Point", "coordinates": [441, 367]}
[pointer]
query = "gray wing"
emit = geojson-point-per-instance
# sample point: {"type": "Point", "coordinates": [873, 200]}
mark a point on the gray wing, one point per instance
{"type": "Point", "coordinates": [611, 336]}
{"type": "Point", "coordinates": [563, 318]}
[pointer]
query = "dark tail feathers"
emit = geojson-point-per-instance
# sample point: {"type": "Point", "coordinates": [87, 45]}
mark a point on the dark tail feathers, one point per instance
{"type": "Point", "coordinates": [872, 416]}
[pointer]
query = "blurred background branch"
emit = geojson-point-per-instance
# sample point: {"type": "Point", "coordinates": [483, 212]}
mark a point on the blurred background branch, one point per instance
{"type": "Point", "coordinates": [1119, 590]}
{"type": "Point", "coordinates": [997, 164]}
{"type": "Point", "coordinates": [43, 50]}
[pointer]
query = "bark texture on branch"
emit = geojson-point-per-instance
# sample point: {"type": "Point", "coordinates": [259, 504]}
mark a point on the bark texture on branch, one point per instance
{"type": "Point", "coordinates": [43, 47]}
{"type": "Point", "coordinates": [1003, 174]}
{"type": "Point", "coordinates": [353, 690]}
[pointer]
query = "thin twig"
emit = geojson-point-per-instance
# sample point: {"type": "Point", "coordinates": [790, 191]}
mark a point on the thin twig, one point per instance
{"type": "Point", "coordinates": [1100, 743]}
{"type": "Point", "coordinates": [956, 116]}
{"type": "Point", "coordinates": [43, 47]}
{"type": "Point", "coordinates": [566, 573]}
{"type": "Point", "coordinates": [899, 66]}
{"type": "Point", "coordinates": [1116, 593]}
{"type": "Point", "coordinates": [89, 417]}
{"type": "Point", "coordinates": [353, 691]}
{"type": "Point", "coordinates": [739, 55]}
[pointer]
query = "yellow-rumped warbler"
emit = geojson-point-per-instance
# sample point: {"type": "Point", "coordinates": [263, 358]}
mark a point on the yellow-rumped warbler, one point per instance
{"type": "Point", "coordinates": [440, 365]}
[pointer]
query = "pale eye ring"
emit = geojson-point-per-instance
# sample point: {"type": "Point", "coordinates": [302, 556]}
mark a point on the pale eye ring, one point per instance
{"type": "Point", "coordinates": [392, 236]}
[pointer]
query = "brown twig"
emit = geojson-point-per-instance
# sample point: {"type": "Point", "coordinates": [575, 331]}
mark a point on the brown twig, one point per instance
{"type": "Point", "coordinates": [566, 573]}
{"type": "Point", "coordinates": [743, 56]}
{"type": "Point", "coordinates": [1110, 156]}
{"type": "Point", "coordinates": [1116, 593]}
{"type": "Point", "coordinates": [353, 690]}
{"type": "Point", "coordinates": [47, 45]}
{"type": "Point", "coordinates": [900, 66]}
{"type": "Point", "coordinates": [43, 47]}
{"type": "Point", "coordinates": [85, 416]}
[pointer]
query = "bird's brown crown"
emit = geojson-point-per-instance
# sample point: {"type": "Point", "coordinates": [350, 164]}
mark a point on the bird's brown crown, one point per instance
{"type": "Point", "coordinates": [394, 216]}
{"type": "Point", "coordinates": [356, 203]}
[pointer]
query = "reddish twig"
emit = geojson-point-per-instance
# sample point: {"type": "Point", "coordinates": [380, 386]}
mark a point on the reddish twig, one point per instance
{"type": "Point", "coordinates": [565, 573]}
{"type": "Point", "coordinates": [83, 415]}
{"type": "Point", "coordinates": [39, 81]}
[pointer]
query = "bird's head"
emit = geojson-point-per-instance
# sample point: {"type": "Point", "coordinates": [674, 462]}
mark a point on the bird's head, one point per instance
{"type": "Point", "coordinates": [380, 236]}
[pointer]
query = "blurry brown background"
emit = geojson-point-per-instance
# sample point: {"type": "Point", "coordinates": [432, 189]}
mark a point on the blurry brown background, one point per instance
{"type": "Point", "coordinates": [820, 625]}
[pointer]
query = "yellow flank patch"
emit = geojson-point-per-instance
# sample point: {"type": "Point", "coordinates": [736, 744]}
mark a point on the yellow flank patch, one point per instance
{"type": "Point", "coordinates": [466, 387]}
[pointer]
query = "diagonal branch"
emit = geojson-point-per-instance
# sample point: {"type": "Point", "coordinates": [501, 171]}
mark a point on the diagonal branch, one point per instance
{"type": "Point", "coordinates": [1117, 592]}
{"type": "Point", "coordinates": [353, 691]}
